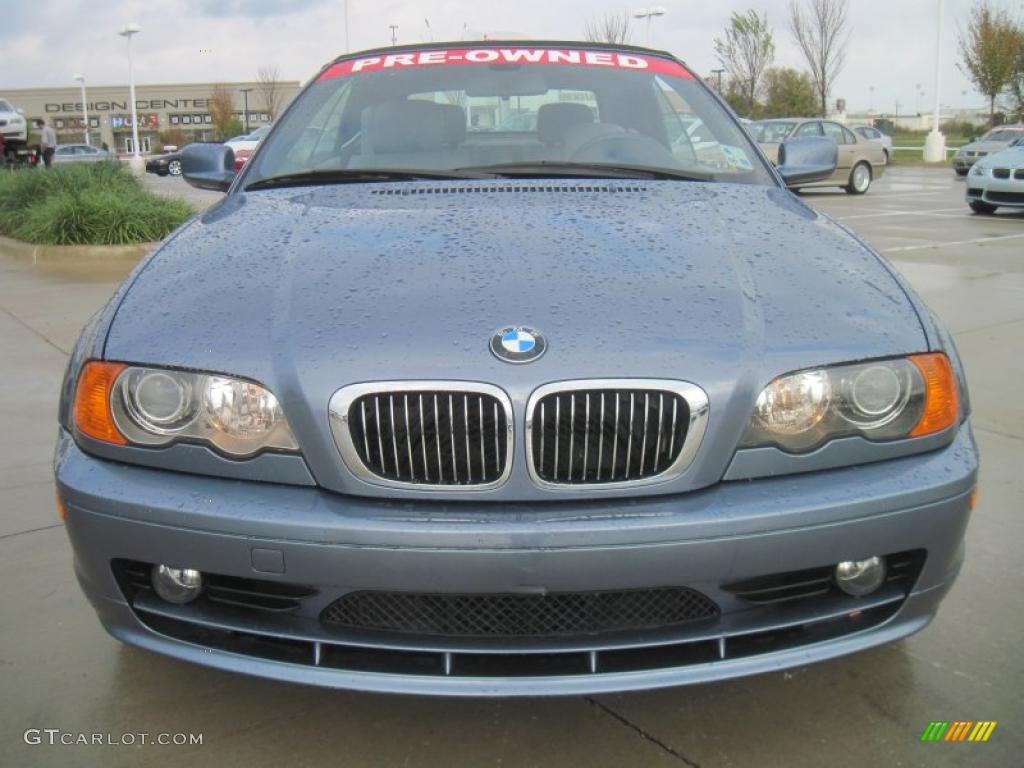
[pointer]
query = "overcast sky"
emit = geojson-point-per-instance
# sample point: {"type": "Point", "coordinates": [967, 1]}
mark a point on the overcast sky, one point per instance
{"type": "Point", "coordinates": [44, 42]}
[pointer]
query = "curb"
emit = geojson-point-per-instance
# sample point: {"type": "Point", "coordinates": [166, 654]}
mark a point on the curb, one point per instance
{"type": "Point", "coordinates": [73, 254]}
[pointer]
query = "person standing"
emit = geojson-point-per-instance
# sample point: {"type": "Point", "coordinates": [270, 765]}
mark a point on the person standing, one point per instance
{"type": "Point", "coordinates": [47, 141]}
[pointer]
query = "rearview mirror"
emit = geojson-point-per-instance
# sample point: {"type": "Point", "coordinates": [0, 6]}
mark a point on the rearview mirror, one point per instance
{"type": "Point", "coordinates": [807, 160]}
{"type": "Point", "coordinates": [208, 166]}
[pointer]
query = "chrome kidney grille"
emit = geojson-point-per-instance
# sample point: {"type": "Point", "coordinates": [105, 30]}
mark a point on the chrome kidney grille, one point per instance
{"type": "Point", "coordinates": [434, 434]}
{"type": "Point", "coordinates": [613, 433]}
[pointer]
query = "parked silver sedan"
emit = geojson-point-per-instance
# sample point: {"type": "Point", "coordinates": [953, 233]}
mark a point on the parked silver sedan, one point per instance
{"type": "Point", "coordinates": [79, 153]}
{"type": "Point", "coordinates": [873, 134]}
{"type": "Point", "coordinates": [997, 180]}
{"type": "Point", "coordinates": [994, 141]}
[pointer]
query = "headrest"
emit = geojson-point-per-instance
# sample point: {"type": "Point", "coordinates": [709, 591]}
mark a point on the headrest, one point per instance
{"type": "Point", "coordinates": [553, 120]}
{"type": "Point", "coordinates": [410, 126]}
{"type": "Point", "coordinates": [454, 124]}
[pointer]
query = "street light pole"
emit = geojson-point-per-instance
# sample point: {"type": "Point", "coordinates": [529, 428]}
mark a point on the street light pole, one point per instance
{"type": "Point", "coordinates": [85, 106]}
{"type": "Point", "coordinates": [718, 74]}
{"type": "Point", "coordinates": [345, 3]}
{"type": "Point", "coordinates": [935, 143]}
{"type": "Point", "coordinates": [128, 32]}
{"type": "Point", "coordinates": [245, 99]}
{"type": "Point", "coordinates": [394, 33]}
{"type": "Point", "coordinates": [649, 13]}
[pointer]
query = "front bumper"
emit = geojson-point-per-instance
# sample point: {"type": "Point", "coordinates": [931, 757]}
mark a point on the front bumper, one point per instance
{"type": "Point", "coordinates": [336, 544]}
{"type": "Point", "coordinates": [1002, 192]}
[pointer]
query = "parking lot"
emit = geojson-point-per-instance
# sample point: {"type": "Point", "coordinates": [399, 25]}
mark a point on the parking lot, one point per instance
{"type": "Point", "coordinates": [61, 671]}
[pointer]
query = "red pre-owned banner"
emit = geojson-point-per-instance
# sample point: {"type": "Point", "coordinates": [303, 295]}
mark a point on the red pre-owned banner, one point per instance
{"type": "Point", "coordinates": [579, 57]}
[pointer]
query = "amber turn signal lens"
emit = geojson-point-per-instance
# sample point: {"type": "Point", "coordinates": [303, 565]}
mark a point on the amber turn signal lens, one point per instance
{"type": "Point", "coordinates": [941, 396]}
{"type": "Point", "coordinates": [92, 402]}
{"type": "Point", "coordinates": [62, 511]}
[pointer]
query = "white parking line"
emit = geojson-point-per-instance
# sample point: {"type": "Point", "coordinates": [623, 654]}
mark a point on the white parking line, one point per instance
{"type": "Point", "coordinates": [925, 246]}
{"type": "Point", "coordinates": [932, 212]}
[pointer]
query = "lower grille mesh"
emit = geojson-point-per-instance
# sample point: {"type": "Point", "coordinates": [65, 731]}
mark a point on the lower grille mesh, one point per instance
{"type": "Point", "coordinates": [514, 615]}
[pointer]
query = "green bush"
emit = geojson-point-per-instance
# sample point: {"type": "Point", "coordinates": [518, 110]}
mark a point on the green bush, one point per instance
{"type": "Point", "coordinates": [86, 204]}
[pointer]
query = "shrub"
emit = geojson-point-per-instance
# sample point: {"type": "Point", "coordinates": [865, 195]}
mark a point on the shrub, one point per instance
{"type": "Point", "coordinates": [87, 204]}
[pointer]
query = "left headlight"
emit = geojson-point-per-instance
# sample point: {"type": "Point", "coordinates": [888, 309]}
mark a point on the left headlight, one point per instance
{"type": "Point", "coordinates": [978, 170]}
{"type": "Point", "coordinates": [880, 400]}
{"type": "Point", "coordinates": [154, 407]}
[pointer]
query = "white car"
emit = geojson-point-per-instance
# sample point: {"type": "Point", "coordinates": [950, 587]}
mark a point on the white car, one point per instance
{"type": "Point", "coordinates": [249, 141]}
{"type": "Point", "coordinates": [79, 153]}
{"type": "Point", "coordinates": [997, 180]}
{"type": "Point", "coordinates": [13, 125]}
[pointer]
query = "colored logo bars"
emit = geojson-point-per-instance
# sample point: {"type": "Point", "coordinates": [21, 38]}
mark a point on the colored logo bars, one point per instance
{"type": "Point", "coordinates": [958, 730]}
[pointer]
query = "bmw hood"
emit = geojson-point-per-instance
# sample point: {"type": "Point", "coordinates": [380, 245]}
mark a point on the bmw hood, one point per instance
{"type": "Point", "coordinates": [309, 289]}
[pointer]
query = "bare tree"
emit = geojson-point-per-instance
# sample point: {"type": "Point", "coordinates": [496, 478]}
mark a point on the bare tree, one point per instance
{"type": "Point", "coordinates": [990, 51]}
{"type": "Point", "coordinates": [821, 35]}
{"type": "Point", "coordinates": [746, 52]}
{"type": "Point", "coordinates": [268, 82]}
{"type": "Point", "coordinates": [609, 28]}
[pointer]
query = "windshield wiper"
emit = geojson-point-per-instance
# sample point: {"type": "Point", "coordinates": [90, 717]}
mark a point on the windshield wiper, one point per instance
{"type": "Point", "coordinates": [562, 169]}
{"type": "Point", "coordinates": [362, 175]}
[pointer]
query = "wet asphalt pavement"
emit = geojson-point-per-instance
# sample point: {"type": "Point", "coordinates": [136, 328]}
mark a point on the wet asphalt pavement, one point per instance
{"type": "Point", "coordinates": [59, 670]}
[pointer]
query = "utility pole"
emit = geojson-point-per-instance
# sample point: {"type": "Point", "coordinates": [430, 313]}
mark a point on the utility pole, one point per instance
{"type": "Point", "coordinates": [345, 5]}
{"type": "Point", "coordinates": [85, 106]}
{"type": "Point", "coordinates": [127, 33]}
{"type": "Point", "coordinates": [245, 99]}
{"type": "Point", "coordinates": [394, 33]}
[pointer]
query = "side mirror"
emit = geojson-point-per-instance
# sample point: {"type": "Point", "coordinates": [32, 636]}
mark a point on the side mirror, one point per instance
{"type": "Point", "coordinates": [208, 166]}
{"type": "Point", "coordinates": [808, 159]}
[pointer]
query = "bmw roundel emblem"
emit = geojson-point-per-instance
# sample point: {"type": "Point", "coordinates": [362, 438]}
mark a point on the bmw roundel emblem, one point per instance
{"type": "Point", "coordinates": [518, 344]}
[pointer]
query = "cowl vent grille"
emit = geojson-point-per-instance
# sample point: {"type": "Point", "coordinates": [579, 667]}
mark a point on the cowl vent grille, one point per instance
{"type": "Point", "coordinates": [511, 189]}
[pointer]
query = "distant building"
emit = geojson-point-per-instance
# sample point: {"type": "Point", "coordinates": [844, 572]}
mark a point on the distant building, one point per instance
{"type": "Point", "coordinates": [917, 122]}
{"type": "Point", "coordinates": [158, 107]}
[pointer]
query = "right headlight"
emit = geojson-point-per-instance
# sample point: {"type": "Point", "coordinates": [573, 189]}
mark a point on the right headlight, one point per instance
{"type": "Point", "coordinates": [158, 406]}
{"type": "Point", "coordinates": [879, 400]}
{"type": "Point", "coordinates": [977, 170]}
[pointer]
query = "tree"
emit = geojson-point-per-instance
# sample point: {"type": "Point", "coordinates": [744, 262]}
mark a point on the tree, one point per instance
{"type": "Point", "coordinates": [1017, 83]}
{"type": "Point", "coordinates": [990, 52]}
{"type": "Point", "coordinates": [609, 28]}
{"type": "Point", "coordinates": [222, 112]}
{"type": "Point", "coordinates": [268, 82]}
{"type": "Point", "coordinates": [821, 35]}
{"type": "Point", "coordinates": [737, 96]}
{"type": "Point", "coordinates": [746, 52]}
{"type": "Point", "coordinates": [788, 93]}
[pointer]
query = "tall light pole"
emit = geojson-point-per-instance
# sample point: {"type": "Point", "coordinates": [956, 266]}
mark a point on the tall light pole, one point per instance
{"type": "Point", "coordinates": [935, 143]}
{"type": "Point", "coordinates": [718, 74]}
{"type": "Point", "coordinates": [85, 106]}
{"type": "Point", "coordinates": [127, 33]}
{"type": "Point", "coordinates": [245, 99]}
{"type": "Point", "coordinates": [347, 49]}
{"type": "Point", "coordinates": [649, 13]}
{"type": "Point", "coordinates": [394, 33]}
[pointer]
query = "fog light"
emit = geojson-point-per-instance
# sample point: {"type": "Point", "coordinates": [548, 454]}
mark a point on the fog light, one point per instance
{"type": "Point", "coordinates": [177, 585]}
{"type": "Point", "coordinates": [860, 577]}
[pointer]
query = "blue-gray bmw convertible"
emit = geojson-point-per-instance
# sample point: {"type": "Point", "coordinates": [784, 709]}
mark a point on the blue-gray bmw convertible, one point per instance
{"type": "Point", "coordinates": [486, 377]}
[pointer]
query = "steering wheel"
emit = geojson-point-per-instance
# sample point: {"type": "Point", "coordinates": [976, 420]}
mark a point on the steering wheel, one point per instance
{"type": "Point", "coordinates": [624, 148]}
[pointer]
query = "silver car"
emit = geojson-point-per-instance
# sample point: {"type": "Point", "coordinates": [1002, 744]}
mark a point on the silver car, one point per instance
{"type": "Point", "coordinates": [995, 140]}
{"type": "Point", "coordinates": [998, 180]}
{"type": "Point", "coordinates": [79, 153]}
{"type": "Point", "coordinates": [873, 134]}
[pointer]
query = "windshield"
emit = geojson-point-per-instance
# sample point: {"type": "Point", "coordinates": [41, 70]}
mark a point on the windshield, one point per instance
{"type": "Point", "coordinates": [1002, 135]}
{"type": "Point", "coordinates": [773, 132]}
{"type": "Point", "coordinates": [443, 110]}
{"type": "Point", "coordinates": [5, 106]}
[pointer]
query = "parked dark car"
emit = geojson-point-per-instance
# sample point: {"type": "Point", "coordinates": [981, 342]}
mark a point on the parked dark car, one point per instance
{"type": "Point", "coordinates": [165, 164]}
{"type": "Point", "coordinates": [420, 406]}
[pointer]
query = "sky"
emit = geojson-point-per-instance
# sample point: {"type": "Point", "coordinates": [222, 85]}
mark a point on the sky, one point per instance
{"type": "Point", "coordinates": [892, 43]}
